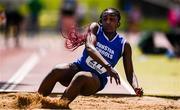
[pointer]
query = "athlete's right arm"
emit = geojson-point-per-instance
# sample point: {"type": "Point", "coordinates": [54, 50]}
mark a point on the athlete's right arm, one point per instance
{"type": "Point", "coordinates": [90, 45]}
{"type": "Point", "coordinates": [93, 53]}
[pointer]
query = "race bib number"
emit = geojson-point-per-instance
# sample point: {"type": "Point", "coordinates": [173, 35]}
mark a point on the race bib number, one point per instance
{"type": "Point", "coordinates": [94, 65]}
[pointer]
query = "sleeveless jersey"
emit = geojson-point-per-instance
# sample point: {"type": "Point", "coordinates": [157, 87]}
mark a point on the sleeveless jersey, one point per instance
{"type": "Point", "coordinates": [110, 50]}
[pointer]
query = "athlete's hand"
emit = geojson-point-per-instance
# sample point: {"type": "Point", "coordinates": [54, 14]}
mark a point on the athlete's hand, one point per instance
{"type": "Point", "coordinates": [113, 74]}
{"type": "Point", "coordinates": [139, 91]}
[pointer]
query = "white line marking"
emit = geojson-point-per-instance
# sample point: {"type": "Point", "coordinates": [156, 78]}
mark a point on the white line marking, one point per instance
{"type": "Point", "coordinates": [21, 73]}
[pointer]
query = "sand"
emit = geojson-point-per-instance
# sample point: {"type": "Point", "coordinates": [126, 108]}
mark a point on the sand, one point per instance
{"type": "Point", "coordinates": [35, 101]}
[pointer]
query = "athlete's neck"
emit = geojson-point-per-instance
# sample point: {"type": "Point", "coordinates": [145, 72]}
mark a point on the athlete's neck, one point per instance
{"type": "Point", "coordinates": [110, 35]}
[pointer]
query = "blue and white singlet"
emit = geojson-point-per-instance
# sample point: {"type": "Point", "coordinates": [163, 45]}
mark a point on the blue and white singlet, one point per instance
{"type": "Point", "coordinates": [110, 50]}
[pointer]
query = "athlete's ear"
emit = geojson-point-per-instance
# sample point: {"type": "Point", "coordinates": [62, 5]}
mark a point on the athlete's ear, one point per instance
{"type": "Point", "coordinates": [119, 23]}
{"type": "Point", "coordinates": [100, 21]}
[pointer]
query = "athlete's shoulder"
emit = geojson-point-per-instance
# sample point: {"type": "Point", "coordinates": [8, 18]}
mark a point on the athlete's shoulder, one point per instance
{"type": "Point", "coordinates": [120, 35]}
{"type": "Point", "coordinates": [122, 38]}
{"type": "Point", "coordinates": [94, 27]}
{"type": "Point", "coordinates": [127, 47]}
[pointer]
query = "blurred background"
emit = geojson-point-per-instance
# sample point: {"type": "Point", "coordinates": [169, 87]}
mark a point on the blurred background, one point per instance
{"type": "Point", "coordinates": [151, 26]}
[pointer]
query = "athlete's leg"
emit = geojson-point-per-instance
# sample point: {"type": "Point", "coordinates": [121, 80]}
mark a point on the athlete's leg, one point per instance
{"type": "Point", "coordinates": [83, 83]}
{"type": "Point", "coordinates": [62, 73]}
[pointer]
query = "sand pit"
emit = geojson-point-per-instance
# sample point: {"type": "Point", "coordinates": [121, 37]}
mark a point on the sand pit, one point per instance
{"type": "Point", "coordinates": [33, 100]}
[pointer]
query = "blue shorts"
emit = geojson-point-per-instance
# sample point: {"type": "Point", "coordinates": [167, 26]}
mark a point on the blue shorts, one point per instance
{"type": "Point", "coordinates": [102, 77]}
{"type": "Point", "coordinates": [103, 80]}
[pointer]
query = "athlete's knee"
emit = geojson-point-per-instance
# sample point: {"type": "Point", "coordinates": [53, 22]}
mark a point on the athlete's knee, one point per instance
{"type": "Point", "coordinates": [59, 69]}
{"type": "Point", "coordinates": [54, 74]}
{"type": "Point", "coordinates": [62, 66]}
{"type": "Point", "coordinates": [55, 71]}
{"type": "Point", "coordinates": [62, 75]}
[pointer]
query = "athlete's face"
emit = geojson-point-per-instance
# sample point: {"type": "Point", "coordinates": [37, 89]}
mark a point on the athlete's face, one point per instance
{"type": "Point", "coordinates": [109, 21]}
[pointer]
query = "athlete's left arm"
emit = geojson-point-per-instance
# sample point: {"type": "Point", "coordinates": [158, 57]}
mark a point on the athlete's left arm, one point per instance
{"type": "Point", "coordinates": [129, 70]}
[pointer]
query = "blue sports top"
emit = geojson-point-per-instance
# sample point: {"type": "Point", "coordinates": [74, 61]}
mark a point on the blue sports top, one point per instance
{"type": "Point", "coordinates": [110, 50]}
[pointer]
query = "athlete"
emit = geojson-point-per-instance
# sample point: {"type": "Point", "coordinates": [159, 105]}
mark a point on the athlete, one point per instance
{"type": "Point", "coordinates": [88, 75]}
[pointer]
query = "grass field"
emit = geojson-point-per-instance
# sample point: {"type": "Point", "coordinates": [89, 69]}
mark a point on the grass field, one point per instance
{"type": "Point", "coordinates": [158, 75]}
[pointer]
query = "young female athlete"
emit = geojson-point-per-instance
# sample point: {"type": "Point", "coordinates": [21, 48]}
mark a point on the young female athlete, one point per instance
{"type": "Point", "coordinates": [88, 75]}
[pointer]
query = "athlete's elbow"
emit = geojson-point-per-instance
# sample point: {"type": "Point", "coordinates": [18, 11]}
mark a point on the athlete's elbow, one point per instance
{"type": "Point", "coordinates": [90, 48]}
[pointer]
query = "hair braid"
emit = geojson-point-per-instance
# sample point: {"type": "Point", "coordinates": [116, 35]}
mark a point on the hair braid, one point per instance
{"type": "Point", "coordinates": [75, 38]}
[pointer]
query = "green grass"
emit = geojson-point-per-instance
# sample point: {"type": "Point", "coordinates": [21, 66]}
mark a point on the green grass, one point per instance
{"type": "Point", "coordinates": [49, 19]}
{"type": "Point", "coordinates": [157, 75]}
{"type": "Point", "coordinates": [154, 24]}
